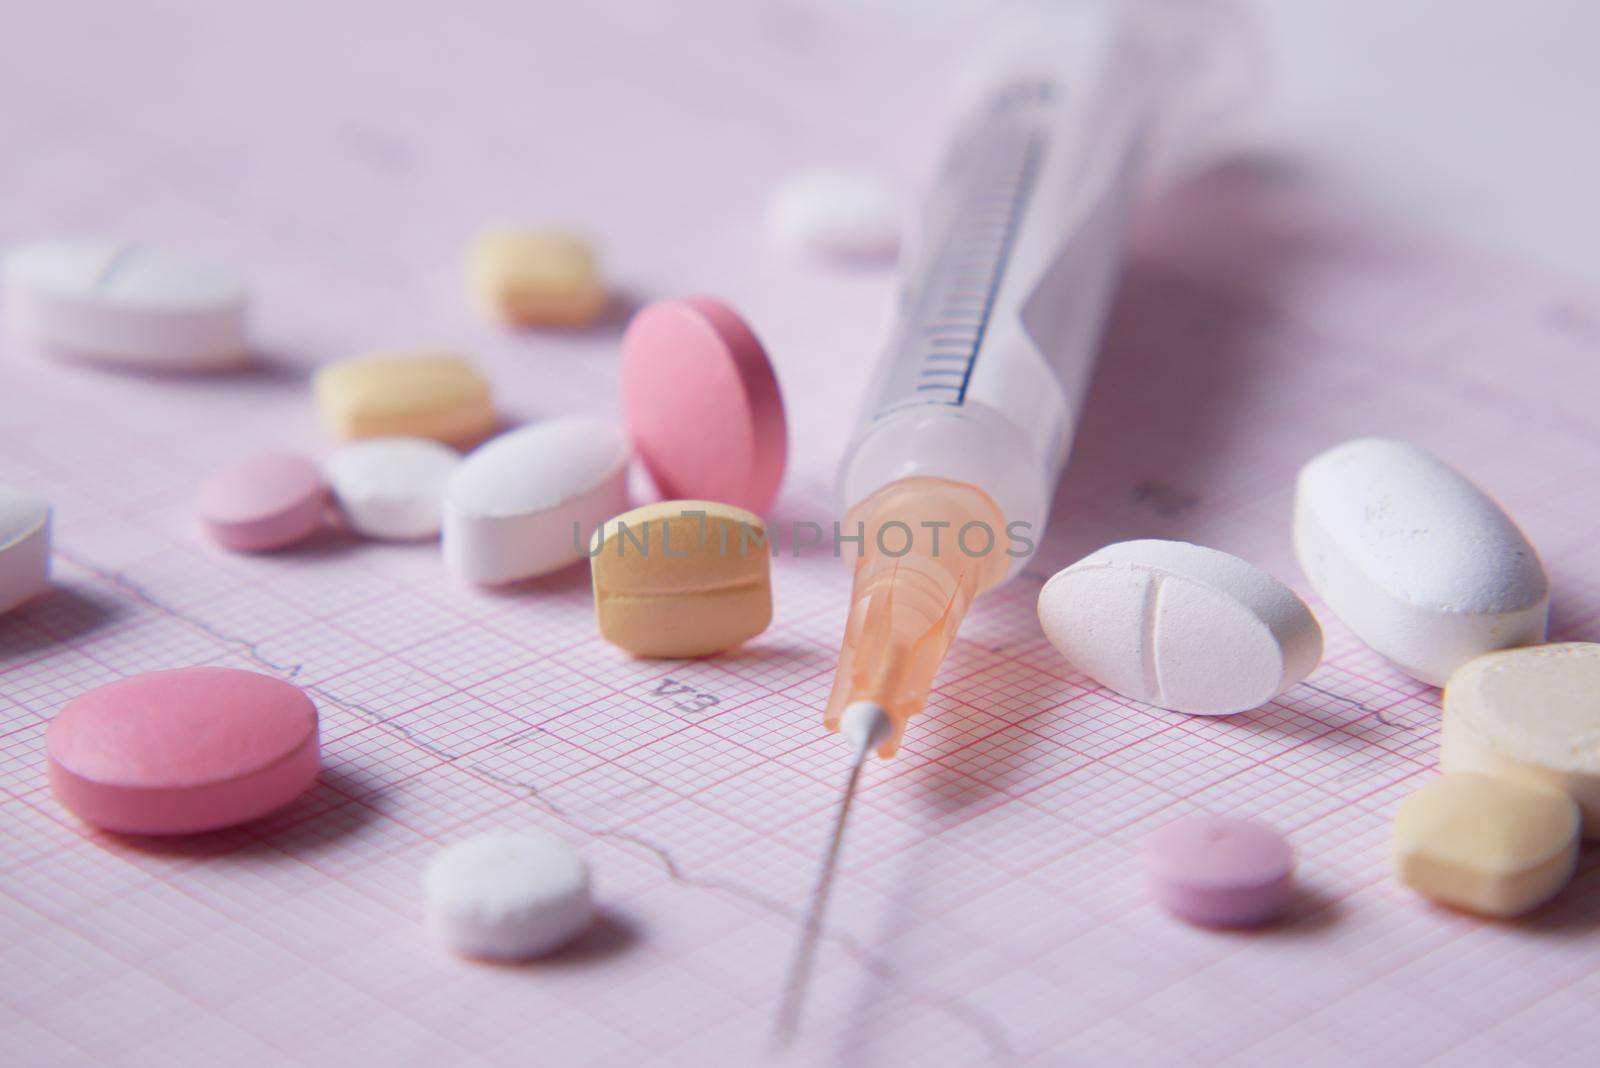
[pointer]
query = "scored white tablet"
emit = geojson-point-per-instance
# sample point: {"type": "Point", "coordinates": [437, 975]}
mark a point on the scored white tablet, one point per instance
{"type": "Point", "coordinates": [121, 303]}
{"type": "Point", "coordinates": [1180, 626]}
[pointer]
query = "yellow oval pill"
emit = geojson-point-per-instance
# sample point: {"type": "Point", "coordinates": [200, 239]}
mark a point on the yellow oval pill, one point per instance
{"type": "Point", "coordinates": [405, 393]}
{"type": "Point", "coordinates": [535, 277]}
{"type": "Point", "coordinates": [1492, 846]}
{"type": "Point", "coordinates": [682, 578]}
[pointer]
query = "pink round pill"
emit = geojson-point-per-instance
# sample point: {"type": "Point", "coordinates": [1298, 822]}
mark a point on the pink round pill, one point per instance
{"type": "Point", "coordinates": [1220, 872]}
{"type": "Point", "coordinates": [263, 502]}
{"type": "Point", "coordinates": [174, 752]}
{"type": "Point", "coordinates": [702, 404]}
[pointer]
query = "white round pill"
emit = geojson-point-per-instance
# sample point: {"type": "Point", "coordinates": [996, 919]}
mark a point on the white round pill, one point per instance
{"type": "Point", "coordinates": [392, 488]}
{"type": "Point", "coordinates": [126, 304]}
{"type": "Point", "coordinates": [527, 502]}
{"type": "Point", "coordinates": [507, 895]}
{"type": "Point", "coordinates": [1180, 626]}
{"type": "Point", "coordinates": [845, 214]}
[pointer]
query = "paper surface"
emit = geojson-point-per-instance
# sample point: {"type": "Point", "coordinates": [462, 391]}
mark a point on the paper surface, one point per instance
{"type": "Point", "coordinates": [990, 907]}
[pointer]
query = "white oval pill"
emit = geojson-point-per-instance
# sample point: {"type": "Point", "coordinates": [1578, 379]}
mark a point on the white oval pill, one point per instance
{"type": "Point", "coordinates": [392, 488]}
{"type": "Point", "coordinates": [507, 895]}
{"type": "Point", "coordinates": [846, 214]}
{"type": "Point", "coordinates": [24, 547]}
{"type": "Point", "coordinates": [1180, 626]}
{"type": "Point", "coordinates": [126, 304]}
{"type": "Point", "coordinates": [526, 503]}
{"type": "Point", "coordinates": [1414, 559]}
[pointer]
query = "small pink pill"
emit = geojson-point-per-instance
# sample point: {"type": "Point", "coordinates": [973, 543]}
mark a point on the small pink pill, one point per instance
{"type": "Point", "coordinates": [174, 752]}
{"type": "Point", "coordinates": [1220, 872]}
{"type": "Point", "coordinates": [267, 501]}
{"type": "Point", "coordinates": [702, 404]}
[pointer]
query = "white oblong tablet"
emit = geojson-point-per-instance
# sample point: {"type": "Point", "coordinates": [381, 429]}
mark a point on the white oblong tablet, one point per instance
{"type": "Point", "coordinates": [527, 502]}
{"type": "Point", "coordinates": [1532, 715]}
{"type": "Point", "coordinates": [392, 488]}
{"type": "Point", "coordinates": [1416, 560]}
{"type": "Point", "coordinates": [846, 214]}
{"type": "Point", "coordinates": [24, 547]}
{"type": "Point", "coordinates": [1180, 626]}
{"type": "Point", "coordinates": [125, 304]}
{"type": "Point", "coordinates": [507, 895]}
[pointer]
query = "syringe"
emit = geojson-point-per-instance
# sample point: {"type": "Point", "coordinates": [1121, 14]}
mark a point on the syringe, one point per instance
{"type": "Point", "coordinates": [950, 476]}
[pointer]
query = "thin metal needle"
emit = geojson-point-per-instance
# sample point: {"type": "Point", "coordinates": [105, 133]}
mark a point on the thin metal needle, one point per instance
{"type": "Point", "coordinates": [867, 729]}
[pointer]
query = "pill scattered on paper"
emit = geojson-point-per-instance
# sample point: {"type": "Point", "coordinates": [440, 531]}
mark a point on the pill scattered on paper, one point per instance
{"type": "Point", "coordinates": [175, 752]}
{"type": "Point", "coordinates": [392, 488]}
{"type": "Point", "coordinates": [535, 277]}
{"type": "Point", "coordinates": [1220, 872]}
{"type": "Point", "coordinates": [527, 502]}
{"type": "Point", "coordinates": [702, 405]}
{"type": "Point", "coordinates": [837, 213]}
{"type": "Point", "coordinates": [1532, 715]}
{"type": "Point", "coordinates": [420, 394]}
{"type": "Point", "coordinates": [1413, 558]}
{"type": "Point", "coordinates": [121, 303]}
{"type": "Point", "coordinates": [267, 501]}
{"type": "Point", "coordinates": [507, 895]}
{"type": "Point", "coordinates": [24, 547]}
{"type": "Point", "coordinates": [1180, 626]}
{"type": "Point", "coordinates": [1488, 845]}
{"type": "Point", "coordinates": [682, 578]}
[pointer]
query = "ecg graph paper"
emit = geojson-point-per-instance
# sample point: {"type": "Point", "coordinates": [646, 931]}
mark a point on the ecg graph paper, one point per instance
{"type": "Point", "coordinates": [990, 907]}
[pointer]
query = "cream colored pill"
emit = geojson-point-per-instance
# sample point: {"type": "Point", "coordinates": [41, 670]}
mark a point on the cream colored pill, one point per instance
{"type": "Point", "coordinates": [120, 303]}
{"type": "Point", "coordinates": [527, 502]}
{"type": "Point", "coordinates": [1532, 715]}
{"type": "Point", "coordinates": [1413, 558]}
{"type": "Point", "coordinates": [1180, 626]}
{"type": "Point", "coordinates": [535, 277]}
{"type": "Point", "coordinates": [1485, 844]}
{"type": "Point", "coordinates": [682, 578]}
{"type": "Point", "coordinates": [392, 488]}
{"type": "Point", "coordinates": [421, 394]}
{"type": "Point", "coordinates": [24, 547]}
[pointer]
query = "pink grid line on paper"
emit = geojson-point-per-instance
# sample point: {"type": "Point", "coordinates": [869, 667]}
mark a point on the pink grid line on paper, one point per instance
{"type": "Point", "coordinates": [990, 907]}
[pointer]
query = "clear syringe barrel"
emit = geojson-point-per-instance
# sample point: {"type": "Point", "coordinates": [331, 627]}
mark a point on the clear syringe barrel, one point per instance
{"type": "Point", "coordinates": [973, 409]}
{"type": "Point", "coordinates": [1001, 316]}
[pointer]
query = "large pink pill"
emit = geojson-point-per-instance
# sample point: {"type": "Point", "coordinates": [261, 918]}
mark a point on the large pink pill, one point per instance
{"type": "Point", "coordinates": [1220, 872]}
{"type": "Point", "coordinates": [174, 752]}
{"type": "Point", "coordinates": [702, 404]}
{"type": "Point", "coordinates": [267, 501]}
